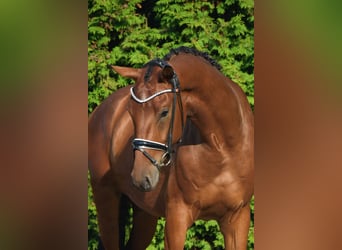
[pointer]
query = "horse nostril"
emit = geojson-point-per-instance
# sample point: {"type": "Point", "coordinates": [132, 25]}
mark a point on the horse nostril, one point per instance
{"type": "Point", "coordinates": [147, 183]}
{"type": "Point", "coordinates": [144, 185]}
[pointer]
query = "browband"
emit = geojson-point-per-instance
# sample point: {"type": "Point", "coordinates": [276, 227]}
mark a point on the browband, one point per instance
{"type": "Point", "coordinates": [150, 97]}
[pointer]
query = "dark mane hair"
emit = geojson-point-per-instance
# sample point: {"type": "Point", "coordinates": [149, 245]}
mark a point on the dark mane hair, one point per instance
{"type": "Point", "coordinates": [150, 66]}
{"type": "Point", "coordinates": [194, 52]}
{"type": "Point", "coordinates": [182, 49]}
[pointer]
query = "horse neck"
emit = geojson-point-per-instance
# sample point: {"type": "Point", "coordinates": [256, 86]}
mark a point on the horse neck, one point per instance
{"type": "Point", "coordinates": [213, 103]}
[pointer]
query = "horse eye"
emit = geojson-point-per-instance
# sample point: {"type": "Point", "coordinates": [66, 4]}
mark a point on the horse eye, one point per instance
{"type": "Point", "coordinates": [164, 113]}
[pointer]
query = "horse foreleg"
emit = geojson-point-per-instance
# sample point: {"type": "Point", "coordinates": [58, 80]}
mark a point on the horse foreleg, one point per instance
{"type": "Point", "coordinates": [235, 229]}
{"type": "Point", "coordinates": [178, 220]}
{"type": "Point", "coordinates": [107, 207]}
{"type": "Point", "coordinates": [144, 226]}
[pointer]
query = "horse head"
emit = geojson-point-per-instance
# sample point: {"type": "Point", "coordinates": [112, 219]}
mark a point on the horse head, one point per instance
{"type": "Point", "coordinates": [155, 99]}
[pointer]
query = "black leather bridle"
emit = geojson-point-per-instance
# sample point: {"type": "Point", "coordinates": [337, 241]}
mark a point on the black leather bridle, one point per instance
{"type": "Point", "coordinates": [142, 144]}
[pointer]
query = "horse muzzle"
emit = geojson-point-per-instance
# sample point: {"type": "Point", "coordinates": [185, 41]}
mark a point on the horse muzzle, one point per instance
{"type": "Point", "coordinates": [145, 178]}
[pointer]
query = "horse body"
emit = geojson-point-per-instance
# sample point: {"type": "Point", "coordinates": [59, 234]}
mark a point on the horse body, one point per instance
{"type": "Point", "coordinates": [219, 170]}
{"type": "Point", "coordinates": [227, 134]}
{"type": "Point", "coordinates": [212, 177]}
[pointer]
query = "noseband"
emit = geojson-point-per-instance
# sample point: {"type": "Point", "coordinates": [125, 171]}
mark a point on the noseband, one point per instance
{"type": "Point", "coordinates": [142, 144]}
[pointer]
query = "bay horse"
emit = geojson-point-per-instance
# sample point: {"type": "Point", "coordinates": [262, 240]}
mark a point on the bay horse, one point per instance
{"type": "Point", "coordinates": [211, 173]}
{"type": "Point", "coordinates": [110, 160]}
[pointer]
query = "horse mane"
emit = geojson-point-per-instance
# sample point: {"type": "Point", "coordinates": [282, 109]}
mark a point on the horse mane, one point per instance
{"type": "Point", "coordinates": [177, 51]}
{"type": "Point", "coordinates": [192, 51]}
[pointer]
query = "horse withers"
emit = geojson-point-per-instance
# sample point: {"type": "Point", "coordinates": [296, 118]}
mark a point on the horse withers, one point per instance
{"type": "Point", "coordinates": [211, 170]}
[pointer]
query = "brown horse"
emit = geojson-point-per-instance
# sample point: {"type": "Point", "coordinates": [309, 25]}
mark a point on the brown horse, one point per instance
{"type": "Point", "coordinates": [110, 156]}
{"type": "Point", "coordinates": [110, 133]}
{"type": "Point", "coordinates": [211, 177]}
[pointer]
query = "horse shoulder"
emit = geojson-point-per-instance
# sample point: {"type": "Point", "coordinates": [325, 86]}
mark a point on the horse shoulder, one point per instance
{"type": "Point", "coordinates": [101, 125]}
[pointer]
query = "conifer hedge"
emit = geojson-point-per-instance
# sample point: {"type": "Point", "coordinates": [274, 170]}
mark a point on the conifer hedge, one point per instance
{"type": "Point", "coordinates": [132, 32]}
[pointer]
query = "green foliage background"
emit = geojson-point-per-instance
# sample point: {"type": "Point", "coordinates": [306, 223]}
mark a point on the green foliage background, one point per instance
{"type": "Point", "coordinates": [130, 33]}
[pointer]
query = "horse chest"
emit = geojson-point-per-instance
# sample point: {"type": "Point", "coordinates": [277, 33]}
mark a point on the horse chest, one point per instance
{"type": "Point", "coordinates": [208, 183]}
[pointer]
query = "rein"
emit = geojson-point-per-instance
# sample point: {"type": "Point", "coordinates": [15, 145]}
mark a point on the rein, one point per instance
{"type": "Point", "coordinates": [142, 144]}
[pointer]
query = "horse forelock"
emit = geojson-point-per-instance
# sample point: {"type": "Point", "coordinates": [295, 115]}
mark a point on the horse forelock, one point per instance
{"type": "Point", "coordinates": [150, 65]}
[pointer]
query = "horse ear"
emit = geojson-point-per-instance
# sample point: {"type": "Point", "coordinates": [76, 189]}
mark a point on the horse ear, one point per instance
{"type": "Point", "coordinates": [127, 72]}
{"type": "Point", "coordinates": [167, 72]}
